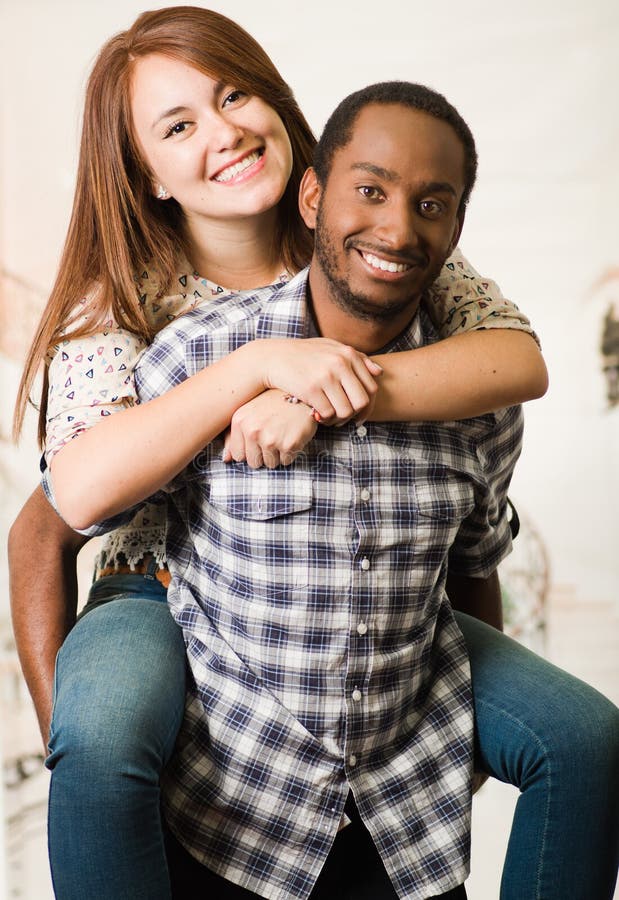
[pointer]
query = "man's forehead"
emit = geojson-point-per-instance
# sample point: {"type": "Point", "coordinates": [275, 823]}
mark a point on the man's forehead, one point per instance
{"type": "Point", "coordinates": [386, 138]}
{"type": "Point", "coordinates": [383, 119]}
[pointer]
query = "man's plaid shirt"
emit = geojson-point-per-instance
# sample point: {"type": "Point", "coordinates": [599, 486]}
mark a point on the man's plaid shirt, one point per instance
{"type": "Point", "coordinates": [324, 653]}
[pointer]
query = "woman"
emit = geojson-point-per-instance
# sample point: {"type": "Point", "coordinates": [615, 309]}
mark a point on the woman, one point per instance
{"type": "Point", "coordinates": [208, 176]}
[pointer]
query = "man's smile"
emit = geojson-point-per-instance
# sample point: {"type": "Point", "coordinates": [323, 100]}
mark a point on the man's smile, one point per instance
{"type": "Point", "coordinates": [388, 265]}
{"type": "Point", "coordinates": [377, 262]}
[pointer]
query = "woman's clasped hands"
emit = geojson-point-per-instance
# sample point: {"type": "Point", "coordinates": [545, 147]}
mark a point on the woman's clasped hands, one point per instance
{"type": "Point", "coordinates": [307, 382]}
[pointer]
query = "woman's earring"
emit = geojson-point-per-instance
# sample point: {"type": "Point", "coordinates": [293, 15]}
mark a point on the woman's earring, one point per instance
{"type": "Point", "coordinates": [162, 194]}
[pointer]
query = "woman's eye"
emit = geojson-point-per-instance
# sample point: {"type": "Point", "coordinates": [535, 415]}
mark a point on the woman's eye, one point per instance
{"type": "Point", "coordinates": [175, 128]}
{"type": "Point", "coordinates": [233, 97]}
{"type": "Point", "coordinates": [370, 193]}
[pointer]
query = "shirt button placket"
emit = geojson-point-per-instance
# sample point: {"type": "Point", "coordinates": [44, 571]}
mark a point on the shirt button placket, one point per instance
{"type": "Point", "coordinates": [365, 565]}
{"type": "Point", "coordinates": [356, 697]}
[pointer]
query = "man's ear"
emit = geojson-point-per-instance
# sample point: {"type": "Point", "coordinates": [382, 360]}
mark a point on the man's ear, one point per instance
{"type": "Point", "coordinates": [309, 198]}
{"type": "Point", "coordinates": [457, 232]}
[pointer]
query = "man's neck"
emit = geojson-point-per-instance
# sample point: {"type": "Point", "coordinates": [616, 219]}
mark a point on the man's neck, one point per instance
{"type": "Point", "coordinates": [332, 321]}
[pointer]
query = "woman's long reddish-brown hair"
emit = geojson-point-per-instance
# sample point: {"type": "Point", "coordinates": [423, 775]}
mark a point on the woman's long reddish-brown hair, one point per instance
{"type": "Point", "coordinates": [116, 225]}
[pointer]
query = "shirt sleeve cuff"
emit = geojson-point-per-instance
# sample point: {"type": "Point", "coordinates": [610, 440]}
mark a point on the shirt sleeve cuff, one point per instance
{"type": "Point", "coordinates": [99, 528]}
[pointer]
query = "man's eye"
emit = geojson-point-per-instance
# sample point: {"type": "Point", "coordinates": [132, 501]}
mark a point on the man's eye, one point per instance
{"type": "Point", "coordinates": [431, 209]}
{"type": "Point", "coordinates": [370, 193]}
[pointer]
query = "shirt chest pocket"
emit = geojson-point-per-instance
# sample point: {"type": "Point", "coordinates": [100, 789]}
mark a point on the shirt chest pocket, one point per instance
{"type": "Point", "coordinates": [261, 495]}
{"type": "Point", "coordinates": [447, 501]}
{"type": "Point", "coordinates": [437, 510]}
{"type": "Point", "coordinates": [260, 527]}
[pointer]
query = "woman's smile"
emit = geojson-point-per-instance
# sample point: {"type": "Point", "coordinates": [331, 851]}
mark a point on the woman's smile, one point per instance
{"type": "Point", "coordinates": [242, 169]}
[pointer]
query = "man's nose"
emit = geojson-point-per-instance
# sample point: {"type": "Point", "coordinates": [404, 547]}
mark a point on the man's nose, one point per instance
{"type": "Point", "coordinates": [396, 227]}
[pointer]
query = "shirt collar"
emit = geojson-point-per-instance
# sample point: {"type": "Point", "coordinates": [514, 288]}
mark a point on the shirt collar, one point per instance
{"type": "Point", "coordinates": [286, 314]}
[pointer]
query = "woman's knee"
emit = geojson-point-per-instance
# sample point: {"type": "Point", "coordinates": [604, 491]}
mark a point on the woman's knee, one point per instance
{"type": "Point", "coordinates": [120, 688]}
{"type": "Point", "coordinates": [563, 718]}
{"type": "Point", "coordinates": [589, 730]}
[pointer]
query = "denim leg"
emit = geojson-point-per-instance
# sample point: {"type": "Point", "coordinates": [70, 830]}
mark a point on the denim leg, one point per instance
{"type": "Point", "coordinates": [557, 740]}
{"type": "Point", "coordinates": [119, 702]}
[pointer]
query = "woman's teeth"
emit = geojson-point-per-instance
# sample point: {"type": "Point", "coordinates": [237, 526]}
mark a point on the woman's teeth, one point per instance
{"type": "Point", "coordinates": [229, 173]}
{"type": "Point", "coordinates": [384, 264]}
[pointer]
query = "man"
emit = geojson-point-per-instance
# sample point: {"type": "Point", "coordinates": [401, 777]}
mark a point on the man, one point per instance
{"type": "Point", "coordinates": [331, 681]}
{"type": "Point", "coordinates": [325, 655]}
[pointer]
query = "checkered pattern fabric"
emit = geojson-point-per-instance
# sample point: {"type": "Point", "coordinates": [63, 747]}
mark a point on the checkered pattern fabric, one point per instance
{"type": "Point", "coordinates": [324, 653]}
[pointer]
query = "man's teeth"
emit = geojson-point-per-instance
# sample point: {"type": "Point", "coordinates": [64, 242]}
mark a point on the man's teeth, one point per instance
{"type": "Point", "coordinates": [229, 173]}
{"type": "Point", "coordinates": [384, 264]}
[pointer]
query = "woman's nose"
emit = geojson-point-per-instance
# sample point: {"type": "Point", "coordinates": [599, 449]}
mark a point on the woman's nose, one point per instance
{"type": "Point", "coordinates": [222, 134]}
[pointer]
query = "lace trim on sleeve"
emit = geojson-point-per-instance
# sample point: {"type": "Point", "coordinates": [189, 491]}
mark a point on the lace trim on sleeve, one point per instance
{"type": "Point", "coordinates": [127, 546]}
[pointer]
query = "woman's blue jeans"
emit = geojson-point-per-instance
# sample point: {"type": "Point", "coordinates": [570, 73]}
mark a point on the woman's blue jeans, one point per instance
{"type": "Point", "coordinates": [557, 740]}
{"type": "Point", "coordinates": [119, 700]}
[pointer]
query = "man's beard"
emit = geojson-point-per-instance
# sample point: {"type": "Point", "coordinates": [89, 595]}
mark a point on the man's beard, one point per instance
{"type": "Point", "coordinates": [358, 305]}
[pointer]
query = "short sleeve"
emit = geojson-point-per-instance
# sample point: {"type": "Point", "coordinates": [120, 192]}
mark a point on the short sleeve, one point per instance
{"type": "Point", "coordinates": [89, 377]}
{"type": "Point", "coordinates": [105, 526]}
{"type": "Point", "coordinates": [462, 300]}
{"type": "Point", "coordinates": [484, 537]}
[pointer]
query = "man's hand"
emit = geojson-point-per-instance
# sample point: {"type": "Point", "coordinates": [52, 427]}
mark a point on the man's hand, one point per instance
{"type": "Point", "coordinates": [479, 779]}
{"type": "Point", "coordinates": [479, 597]}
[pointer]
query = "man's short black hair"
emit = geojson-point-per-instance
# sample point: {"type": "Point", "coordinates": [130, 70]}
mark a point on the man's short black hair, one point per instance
{"type": "Point", "coordinates": [338, 130]}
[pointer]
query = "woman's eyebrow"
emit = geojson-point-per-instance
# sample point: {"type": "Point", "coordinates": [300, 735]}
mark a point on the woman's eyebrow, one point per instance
{"type": "Point", "coordinates": [173, 111]}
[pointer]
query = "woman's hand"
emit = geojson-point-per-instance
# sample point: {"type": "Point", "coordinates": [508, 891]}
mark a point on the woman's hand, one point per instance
{"type": "Point", "coordinates": [268, 431]}
{"type": "Point", "coordinates": [336, 380]}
